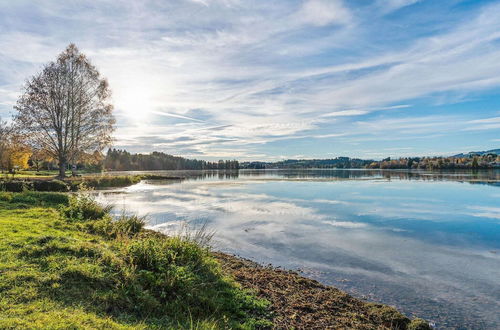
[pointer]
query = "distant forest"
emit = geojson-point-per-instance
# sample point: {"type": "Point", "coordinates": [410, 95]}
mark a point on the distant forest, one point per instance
{"type": "Point", "coordinates": [472, 160]}
{"type": "Point", "coordinates": [339, 162]}
{"type": "Point", "coordinates": [122, 160]}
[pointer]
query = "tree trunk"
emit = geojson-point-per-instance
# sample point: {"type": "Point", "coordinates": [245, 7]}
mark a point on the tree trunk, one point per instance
{"type": "Point", "coordinates": [62, 169]}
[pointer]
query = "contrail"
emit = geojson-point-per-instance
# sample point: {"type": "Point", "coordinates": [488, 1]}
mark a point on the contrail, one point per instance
{"type": "Point", "coordinates": [168, 114]}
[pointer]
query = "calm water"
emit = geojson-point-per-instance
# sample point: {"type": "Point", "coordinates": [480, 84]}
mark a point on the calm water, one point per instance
{"type": "Point", "coordinates": [427, 243]}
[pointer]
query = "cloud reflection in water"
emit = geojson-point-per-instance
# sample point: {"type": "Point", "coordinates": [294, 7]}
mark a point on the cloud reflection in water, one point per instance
{"type": "Point", "coordinates": [411, 244]}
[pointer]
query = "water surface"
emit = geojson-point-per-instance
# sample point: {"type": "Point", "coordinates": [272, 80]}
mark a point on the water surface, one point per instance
{"type": "Point", "coordinates": [427, 243]}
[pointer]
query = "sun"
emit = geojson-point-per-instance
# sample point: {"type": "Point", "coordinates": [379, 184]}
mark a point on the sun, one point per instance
{"type": "Point", "coordinates": [135, 102]}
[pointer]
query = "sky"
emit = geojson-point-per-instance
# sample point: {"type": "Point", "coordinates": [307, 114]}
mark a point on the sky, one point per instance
{"type": "Point", "coordinates": [271, 80]}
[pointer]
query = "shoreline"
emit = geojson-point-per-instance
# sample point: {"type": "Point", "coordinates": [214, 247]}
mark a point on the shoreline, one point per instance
{"type": "Point", "coordinates": [298, 302]}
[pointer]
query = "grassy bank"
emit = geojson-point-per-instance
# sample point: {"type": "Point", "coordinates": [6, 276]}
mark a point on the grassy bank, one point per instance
{"type": "Point", "coordinates": [72, 265]}
{"type": "Point", "coordinates": [64, 262]}
{"type": "Point", "coordinates": [76, 183]}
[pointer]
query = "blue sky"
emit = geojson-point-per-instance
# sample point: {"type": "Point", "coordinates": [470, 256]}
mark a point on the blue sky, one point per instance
{"type": "Point", "coordinates": [266, 80]}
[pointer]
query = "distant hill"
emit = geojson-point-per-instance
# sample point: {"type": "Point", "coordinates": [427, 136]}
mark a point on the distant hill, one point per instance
{"type": "Point", "coordinates": [480, 153]}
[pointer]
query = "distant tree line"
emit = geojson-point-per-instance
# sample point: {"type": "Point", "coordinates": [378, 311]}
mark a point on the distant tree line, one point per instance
{"type": "Point", "coordinates": [122, 160]}
{"type": "Point", "coordinates": [482, 160]}
{"type": "Point", "coordinates": [469, 161]}
{"type": "Point", "coordinates": [339, 162]}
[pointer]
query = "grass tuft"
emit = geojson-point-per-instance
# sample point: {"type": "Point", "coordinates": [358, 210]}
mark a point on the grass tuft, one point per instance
{"type": "Point", "coordinates": [84, 208]}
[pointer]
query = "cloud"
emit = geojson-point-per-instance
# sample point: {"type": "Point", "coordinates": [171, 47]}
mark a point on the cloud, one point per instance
{"type": "Point", "coordinates": [167, 114]}
{"type": "Point", "coordinates": [391, 5]}
{"type": "Point", "coordinates": [484, 124]}
{"type": "Point", "coordinates": [324, 12]}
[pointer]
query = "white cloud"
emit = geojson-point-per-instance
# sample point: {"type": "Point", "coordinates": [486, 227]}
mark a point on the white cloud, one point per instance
{"type": "Point", "coordinates": [483, 124]}
{"type": "Point", "coordinates": [392, 5]}
{"type": "Point", "coordinates": [324, 12]}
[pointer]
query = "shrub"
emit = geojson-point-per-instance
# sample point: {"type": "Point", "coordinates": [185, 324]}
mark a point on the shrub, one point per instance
{"type": "Point", "coordinates": [84, 208]}
{"type": "Point", "coordinates": [15, 186]}
{"type": "Point", "coordinates": [76, 185]}
{"type": "Point", "coordinates": [52, 185]}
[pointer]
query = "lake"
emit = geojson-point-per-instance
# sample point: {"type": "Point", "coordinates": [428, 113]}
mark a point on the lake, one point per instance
{"type": "Point", "coordinates": [427, 243]}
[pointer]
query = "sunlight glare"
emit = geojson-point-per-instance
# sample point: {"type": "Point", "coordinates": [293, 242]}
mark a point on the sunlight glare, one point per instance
{"type": "Point", "coordinates": [134, 101]}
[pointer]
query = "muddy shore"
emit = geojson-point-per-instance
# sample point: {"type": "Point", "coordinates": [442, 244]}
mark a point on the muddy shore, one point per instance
{"type": "Point", "coordinates": [301, 303]}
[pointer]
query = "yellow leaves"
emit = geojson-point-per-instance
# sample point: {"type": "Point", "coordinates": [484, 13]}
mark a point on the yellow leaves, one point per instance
{"type": "Point", "coordinates": [15, 154]}
{"type": "Point", "coordinates": [19, 156]}
{"type": "Point", "coordinates": [91, 158]}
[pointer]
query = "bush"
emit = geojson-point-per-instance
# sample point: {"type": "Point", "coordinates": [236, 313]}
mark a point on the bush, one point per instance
{"type": "Point", "coordinates": [52, 185]}
{"type": "Point", "coordinates": [15, 186]}
{"type": "Point", "coordinates": [39, 185]}
{"type": "Point", "coordinates": [84, 208]}
{"type": "Point", "coordinates": [76, 186]}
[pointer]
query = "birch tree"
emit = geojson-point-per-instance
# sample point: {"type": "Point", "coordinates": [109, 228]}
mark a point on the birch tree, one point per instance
{"type": "Point", "coordinates": [65, 109]}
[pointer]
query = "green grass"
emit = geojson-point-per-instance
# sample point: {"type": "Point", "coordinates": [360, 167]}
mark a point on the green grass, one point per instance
{"type": "Point", "coordinates": [30, 183]}
{"type": "Point", "coordinates": [111, 181]}
{"type": "Point", "coordinates": [67, 264]}
{"type": "Point", "coordinates": [33, 174]}
{"type": "Point", "coordinates": [39, 174]}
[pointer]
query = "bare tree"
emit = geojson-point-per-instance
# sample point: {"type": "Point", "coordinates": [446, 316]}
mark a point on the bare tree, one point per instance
{"type": "Point", "coordinates": [65, 109]}
{"type": "Point", "coordinates": [5, 131]}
